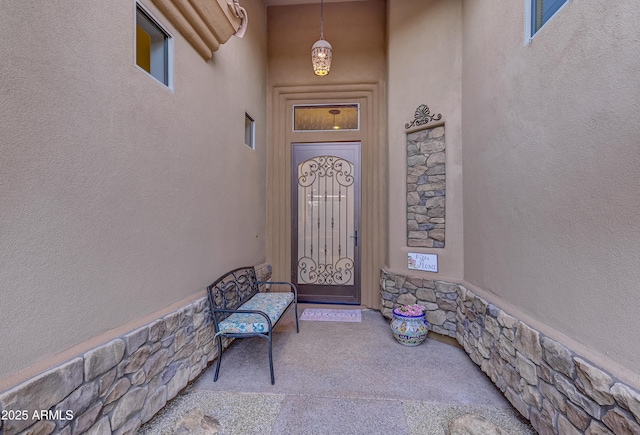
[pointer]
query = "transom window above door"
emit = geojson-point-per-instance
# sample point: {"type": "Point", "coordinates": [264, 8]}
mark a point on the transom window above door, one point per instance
{"type": "Point", "coordinates": [326, 117]}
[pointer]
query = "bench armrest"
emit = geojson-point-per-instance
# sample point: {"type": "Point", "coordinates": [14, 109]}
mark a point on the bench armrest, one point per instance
{"type": "Point", "coordinates": [262, 313]}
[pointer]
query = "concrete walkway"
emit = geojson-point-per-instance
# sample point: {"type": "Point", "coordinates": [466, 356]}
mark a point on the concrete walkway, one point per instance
{"type": "Point", "coordinates": [341, 378]}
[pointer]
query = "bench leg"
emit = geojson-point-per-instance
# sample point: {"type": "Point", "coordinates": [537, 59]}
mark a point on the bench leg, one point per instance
{"type": "Point", "coordinates": [273, 379]}
{"type": "Point", "coordinates": [215, 377]}
{"type": "Point", "coordinates": [296, 309]}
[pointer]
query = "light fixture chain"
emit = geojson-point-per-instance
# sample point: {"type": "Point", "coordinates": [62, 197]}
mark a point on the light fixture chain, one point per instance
{"type": "Point", "coordinates": [321, 50]}
{"type": "Point", "coordinates": [321, 19]}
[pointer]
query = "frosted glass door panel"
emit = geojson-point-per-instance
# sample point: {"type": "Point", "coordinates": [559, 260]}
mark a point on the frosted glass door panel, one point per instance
{"type": "Point", "coordinates": [326, 232]}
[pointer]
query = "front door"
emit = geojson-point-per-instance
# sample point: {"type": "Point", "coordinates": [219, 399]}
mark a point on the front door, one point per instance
{"type": "Point", "coordinates": [325, 263]}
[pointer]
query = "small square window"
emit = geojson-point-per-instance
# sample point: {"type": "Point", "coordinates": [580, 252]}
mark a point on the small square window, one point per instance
{"type": "Point", "coordinates": [153, 45]}
{"type": "Point", "coordinates": [539, 12]}
{"type": "Point", "coordinates": [249, 131]}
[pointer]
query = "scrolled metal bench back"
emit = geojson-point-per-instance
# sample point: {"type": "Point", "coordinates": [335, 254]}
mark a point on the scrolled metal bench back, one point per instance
{"type": "Point", "coordinates": [232, 290]}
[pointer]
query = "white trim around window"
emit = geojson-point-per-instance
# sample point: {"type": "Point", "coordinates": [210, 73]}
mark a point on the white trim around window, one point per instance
{"type": "Point", "coordinates": [530, 7]}
{"type": "Point", "coordinates": [161, 53]}
{"type": "Point", "coordinates": [249, 131]}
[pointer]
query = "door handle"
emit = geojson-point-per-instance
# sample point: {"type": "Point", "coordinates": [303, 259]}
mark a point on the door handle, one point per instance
{"type": "Point", "coordinates": [355, 239]}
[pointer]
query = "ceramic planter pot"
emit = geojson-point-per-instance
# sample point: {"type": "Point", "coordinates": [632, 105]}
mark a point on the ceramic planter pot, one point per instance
{"type": "Point", "coordinates": [409, 330]}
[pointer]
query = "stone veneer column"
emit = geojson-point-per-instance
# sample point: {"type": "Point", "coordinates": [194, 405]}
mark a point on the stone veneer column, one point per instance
{"type": "Point", "coordinates": [122, 384]}
{"type": "Point", "coordinates": [426, 188]}
{"type": "Point", "coordinates": [559, 391]}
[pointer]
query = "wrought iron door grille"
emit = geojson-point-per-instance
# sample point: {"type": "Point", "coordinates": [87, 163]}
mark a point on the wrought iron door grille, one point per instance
{"type": "Point", "coordinates": [326, 222]}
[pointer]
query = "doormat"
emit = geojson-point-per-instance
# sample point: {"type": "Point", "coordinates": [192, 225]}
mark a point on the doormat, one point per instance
{"type": "Point", "coordinates": [327, 315]}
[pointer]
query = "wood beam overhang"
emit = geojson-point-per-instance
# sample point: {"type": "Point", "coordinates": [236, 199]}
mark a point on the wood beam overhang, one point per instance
{"type": "Point", "coordinates": [205, 24]}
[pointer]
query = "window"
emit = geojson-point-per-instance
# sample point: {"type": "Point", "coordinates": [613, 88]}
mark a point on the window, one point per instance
{"type": "Point", "coordinates": [249, 131]}
{"type": "Point", "coordinates": [326, 117]}
{"type": "Point", "coordinates": [153, 47]}
{"type": "Point", "coordinates": [538, 13]}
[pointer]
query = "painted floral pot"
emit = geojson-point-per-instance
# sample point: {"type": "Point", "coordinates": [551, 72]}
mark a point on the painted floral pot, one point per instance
{"type": "Point", "coordinates": [409, 330]}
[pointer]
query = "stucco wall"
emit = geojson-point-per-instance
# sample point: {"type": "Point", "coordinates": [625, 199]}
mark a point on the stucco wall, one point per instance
{"type": "Point", "coordinates": [355, 30]}
{"type": "Point", "coordinates": [119, 197]}
{"type": "Point", "coordinates": [551, 176]}
{"type": "Point", "coordinates": [424, 67]}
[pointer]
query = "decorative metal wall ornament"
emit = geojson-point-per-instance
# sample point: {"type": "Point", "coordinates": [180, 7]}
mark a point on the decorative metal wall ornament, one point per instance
{"type": "Point", "coordinates": [423, 116]}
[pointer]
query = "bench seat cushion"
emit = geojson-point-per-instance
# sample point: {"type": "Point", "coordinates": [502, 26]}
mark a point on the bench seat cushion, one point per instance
{"type": "Point", "coordinates": [272, 304]}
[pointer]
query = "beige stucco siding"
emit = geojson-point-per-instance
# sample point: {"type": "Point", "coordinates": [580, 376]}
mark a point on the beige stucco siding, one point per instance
{"type": "Point", "coordinates": [354, 29]}
{"type": "Point", "coordinates": [424, 67]}
{"type": "Point", "coordinates": [120, 199]}
{"type": "Point", "coordinates": [119, 196]}
{"type": "Point", "coordinates": [551, 158]}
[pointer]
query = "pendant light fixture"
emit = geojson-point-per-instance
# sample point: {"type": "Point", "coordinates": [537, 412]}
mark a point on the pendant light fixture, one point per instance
{"type": "Point", "coordinates": [321, 50]}
{"type": "Point", "coordinates": [335, 112]}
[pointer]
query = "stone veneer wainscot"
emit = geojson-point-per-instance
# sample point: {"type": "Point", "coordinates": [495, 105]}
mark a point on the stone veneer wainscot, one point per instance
{"type": "Point", "coordinates": [438, 297]}
{"type": "Point", "coordinates": [122, 384]}
{"type": "Point", "coordinates": [559, 391]}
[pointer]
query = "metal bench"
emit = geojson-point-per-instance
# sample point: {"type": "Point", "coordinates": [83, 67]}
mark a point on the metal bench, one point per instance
{"type": "Point", "coordinates": [240, 310]}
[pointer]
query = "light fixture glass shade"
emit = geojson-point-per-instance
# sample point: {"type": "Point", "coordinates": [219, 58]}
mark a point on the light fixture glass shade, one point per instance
{"type": "Point", "coordinates": [321, 57]}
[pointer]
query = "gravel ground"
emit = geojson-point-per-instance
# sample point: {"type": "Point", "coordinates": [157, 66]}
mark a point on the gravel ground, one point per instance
{"type": "Point", "coordinates": [433, 418]}
{"type": "Point", "coordinates": [257, 413]}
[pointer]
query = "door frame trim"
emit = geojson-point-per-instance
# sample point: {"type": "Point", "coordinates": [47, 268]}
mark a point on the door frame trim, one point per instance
{"type": "Point", "coordinates": [374, 158]}
{"type": "Point", "coordinates": [356, 297]}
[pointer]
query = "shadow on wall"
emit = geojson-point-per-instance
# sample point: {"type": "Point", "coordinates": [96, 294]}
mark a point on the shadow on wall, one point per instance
{"type": "Point", "coordinates": [122, 384]}
{"type": "Point", "coordinates": [557, 390]}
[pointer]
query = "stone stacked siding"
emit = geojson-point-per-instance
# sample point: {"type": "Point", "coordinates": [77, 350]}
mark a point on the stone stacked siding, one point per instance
{"type": "Point", "coordinates": [426, 188]}
{"type": "Point", "coordinates": [559, 391]}
{"type": "Point", "coordinates": [122, 384]}
{"type": "Point", "coordinates": [438, 297]}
